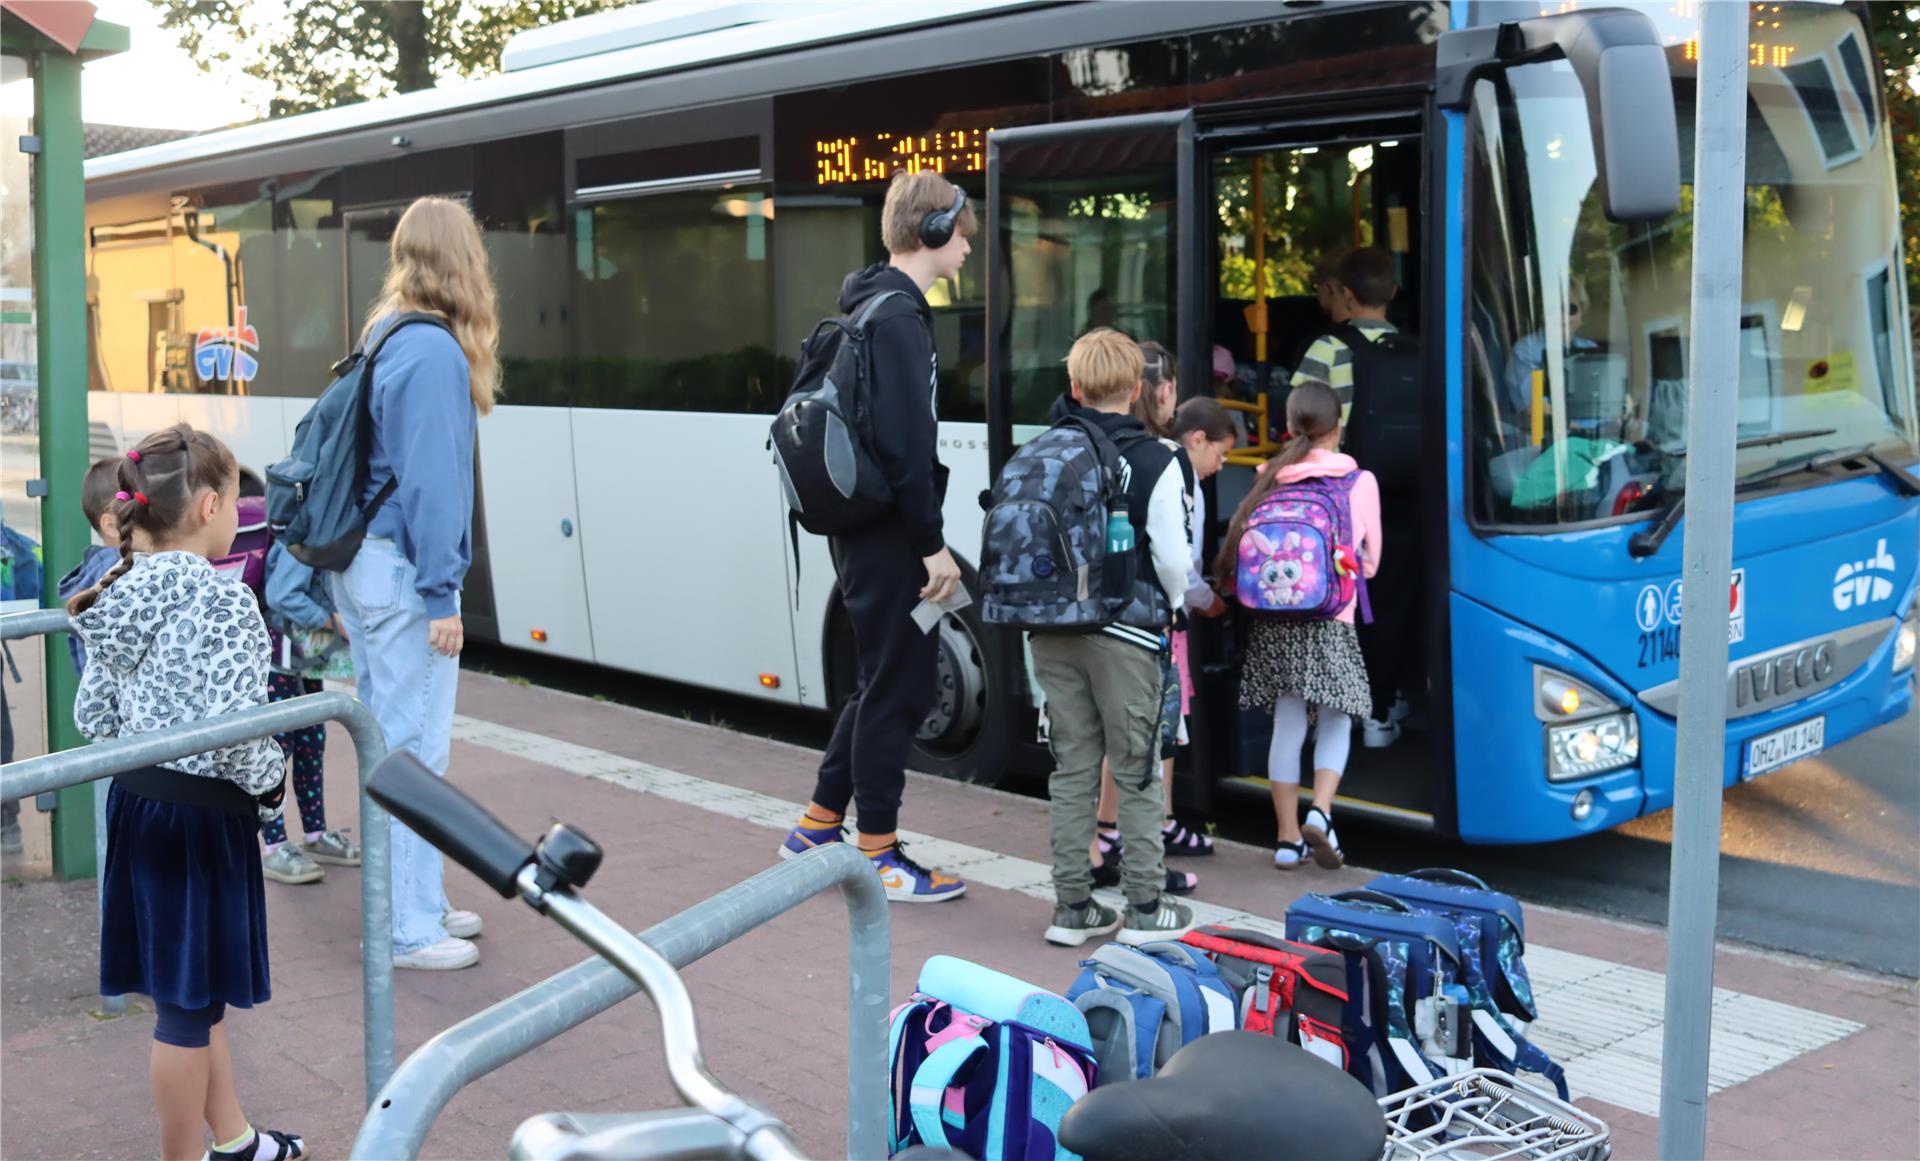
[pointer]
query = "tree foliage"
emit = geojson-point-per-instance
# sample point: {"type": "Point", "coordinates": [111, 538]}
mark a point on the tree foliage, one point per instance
{"type": "Point", "coordinates": [1896, 36]}
{"type": "Point", "coordinates": [316, 54]}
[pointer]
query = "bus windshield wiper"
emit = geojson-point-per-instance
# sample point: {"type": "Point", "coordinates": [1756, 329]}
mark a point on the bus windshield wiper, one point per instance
{"type": "Point", "coordinates": [1768, 440]}
{"type": "Point", "coordinates": [1648, 541]}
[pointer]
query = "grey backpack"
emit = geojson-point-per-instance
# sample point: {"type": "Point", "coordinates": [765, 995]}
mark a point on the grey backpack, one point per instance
{"type": "Point", "coordinates": [1043, 554]}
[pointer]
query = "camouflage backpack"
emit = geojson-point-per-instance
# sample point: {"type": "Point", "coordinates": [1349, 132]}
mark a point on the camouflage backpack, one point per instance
{"type": "Point", "coordinates": [1043, 557]}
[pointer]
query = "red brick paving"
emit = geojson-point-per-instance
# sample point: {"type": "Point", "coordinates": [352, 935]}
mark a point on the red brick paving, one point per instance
{"type": "Point", "coordinates": [72, 1086]}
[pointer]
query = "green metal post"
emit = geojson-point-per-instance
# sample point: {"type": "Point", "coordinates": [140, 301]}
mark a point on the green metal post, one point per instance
{"type": "Point", "coordinates": [60, 293]}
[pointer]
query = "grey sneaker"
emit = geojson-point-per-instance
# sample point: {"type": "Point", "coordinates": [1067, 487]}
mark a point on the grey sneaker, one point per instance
{"type": "Point", "coordinates": [1170, 920]}
{"type": "Point", "coordinates": [290, 865]}
{"type": "Point", "coordinates": [448, 955]}
{"type": "Point", "coordinates": [1073, 926]}
{"type": "Point", "coordinates": [333, 847]}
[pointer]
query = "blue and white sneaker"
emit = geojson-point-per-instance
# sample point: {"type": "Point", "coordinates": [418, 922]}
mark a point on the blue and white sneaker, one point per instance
{"type": "Point", "coordinates": [908, 882]}
{"type": "Point", "coordinates": [804, 838]}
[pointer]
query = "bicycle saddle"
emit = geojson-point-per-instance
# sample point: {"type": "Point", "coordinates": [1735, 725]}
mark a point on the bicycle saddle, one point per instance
{"type": "Point", "coordinates": [1230, 1096]}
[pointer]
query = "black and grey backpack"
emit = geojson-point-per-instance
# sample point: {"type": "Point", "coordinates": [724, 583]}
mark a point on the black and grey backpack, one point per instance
{"type": "Point", "coordinates": [822, 436]}
{"type": "Point", "coordinates": [1043, 558]}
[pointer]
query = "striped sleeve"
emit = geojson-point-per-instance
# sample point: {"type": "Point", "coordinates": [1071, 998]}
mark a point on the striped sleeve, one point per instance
{"type": "Point", "coordinates": [1329, 361]}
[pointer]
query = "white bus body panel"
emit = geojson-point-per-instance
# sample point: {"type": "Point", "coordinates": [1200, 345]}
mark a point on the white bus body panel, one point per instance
{"type": "Point", "coordinates": [539, 578]}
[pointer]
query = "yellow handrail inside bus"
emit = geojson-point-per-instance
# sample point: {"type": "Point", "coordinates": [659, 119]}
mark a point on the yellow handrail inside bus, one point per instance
{"type": "Point", "coordinates": [1262, 449]}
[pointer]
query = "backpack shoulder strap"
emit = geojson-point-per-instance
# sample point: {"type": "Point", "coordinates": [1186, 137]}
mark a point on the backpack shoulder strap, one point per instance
{"type": "Point", "coordinates": [1103, 446]}
{"type": "Point", "coordinates": [873, 305]}
{"type": "Point", "coordinates": [406, 318]}
{"type": "Point", "coordinates": [936, 1073]}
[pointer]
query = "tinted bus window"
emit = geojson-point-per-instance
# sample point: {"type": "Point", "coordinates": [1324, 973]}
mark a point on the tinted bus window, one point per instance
{"type": "Point", "coordinates": [673, 298]}
{"type": "Point", "coordinates": [518, 201]}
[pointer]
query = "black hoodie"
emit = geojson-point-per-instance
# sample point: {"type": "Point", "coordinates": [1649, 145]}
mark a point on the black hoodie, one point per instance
{"type": "Point", "coordinates": [905, 435]}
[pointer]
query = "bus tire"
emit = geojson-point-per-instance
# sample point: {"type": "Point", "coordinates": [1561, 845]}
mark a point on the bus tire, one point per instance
{"type": "Point", "coordinates": [964, 734]}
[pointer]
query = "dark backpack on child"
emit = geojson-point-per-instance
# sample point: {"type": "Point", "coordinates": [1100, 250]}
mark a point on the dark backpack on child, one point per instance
{"type": "Point", "coordinates": [1044, 564]}
{"type": "Point", "coordinates": [313, 496]}
{"type": "Point", "coordinates": [246, 559]}
{"type": "Point", "coordinates": [1383, 427]}
{"type": "Point", "coordinates": [822, 438]}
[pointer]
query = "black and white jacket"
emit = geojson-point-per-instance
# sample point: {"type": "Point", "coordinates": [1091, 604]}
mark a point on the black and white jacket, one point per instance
{"type": "Point", "coordinates": [173, 641]}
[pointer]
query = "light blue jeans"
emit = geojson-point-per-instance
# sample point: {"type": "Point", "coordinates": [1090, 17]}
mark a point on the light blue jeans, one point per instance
{"type": "Point", "coordinates": [410, 689]}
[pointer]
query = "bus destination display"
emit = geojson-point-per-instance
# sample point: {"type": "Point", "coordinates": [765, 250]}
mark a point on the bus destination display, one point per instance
{"type": "Point", "coordinates": [860, 159]}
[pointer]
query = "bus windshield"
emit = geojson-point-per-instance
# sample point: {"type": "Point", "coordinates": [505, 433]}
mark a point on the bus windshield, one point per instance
{"type": "Point", "coordinates": [1578, 327]}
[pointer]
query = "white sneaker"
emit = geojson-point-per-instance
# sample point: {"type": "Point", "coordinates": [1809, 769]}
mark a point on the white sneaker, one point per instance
{"type": "Point", "coordinates": [1379, 735]}
{"type": "Point", "coordinates": [1400, 709]}
{"type": "Point", "coordinates": [448, 955]}
{"type": "Point", "coordinates": [461, 924]}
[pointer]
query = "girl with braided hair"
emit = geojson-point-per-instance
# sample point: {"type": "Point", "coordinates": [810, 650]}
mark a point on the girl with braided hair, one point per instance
{"type": "Point", "coordinates": [183, 908]}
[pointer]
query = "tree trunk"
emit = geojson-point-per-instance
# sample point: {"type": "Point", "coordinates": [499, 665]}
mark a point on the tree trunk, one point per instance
{"type": "Point", "coordinates": [407, 24]}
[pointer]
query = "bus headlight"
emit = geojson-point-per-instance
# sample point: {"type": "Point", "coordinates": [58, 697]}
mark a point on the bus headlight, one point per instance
{"type": "Point", "coordinates": [1905, 639]}
{"type": "Point", "coordinates": [1593, 746]}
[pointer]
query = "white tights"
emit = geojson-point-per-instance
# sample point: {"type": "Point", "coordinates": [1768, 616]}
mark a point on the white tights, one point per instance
{"type": "Point", "coordinates": [1332, 740]}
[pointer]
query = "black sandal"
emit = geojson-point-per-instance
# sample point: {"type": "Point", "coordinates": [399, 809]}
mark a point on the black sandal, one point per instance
{"type": "Point", "coordinates": [1179, 840]}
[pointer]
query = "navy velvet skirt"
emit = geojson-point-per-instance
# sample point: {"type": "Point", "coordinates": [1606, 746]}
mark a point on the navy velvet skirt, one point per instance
{"type": "Point", "coordinates": [183, 914]}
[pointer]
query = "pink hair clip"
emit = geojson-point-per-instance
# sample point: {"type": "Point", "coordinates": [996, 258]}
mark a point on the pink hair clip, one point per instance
{"type": "Point", "coordinates": [134, 456]}
{"type": "Point", "coordinates": [122, 497]}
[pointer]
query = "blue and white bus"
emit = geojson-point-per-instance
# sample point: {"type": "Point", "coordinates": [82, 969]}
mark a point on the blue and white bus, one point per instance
{"type": "Point", "coordinates": [672, 192]}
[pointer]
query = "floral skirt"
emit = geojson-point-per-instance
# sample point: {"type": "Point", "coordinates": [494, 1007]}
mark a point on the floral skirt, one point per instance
{"type": "Point", "coordinates": [1316, 661]}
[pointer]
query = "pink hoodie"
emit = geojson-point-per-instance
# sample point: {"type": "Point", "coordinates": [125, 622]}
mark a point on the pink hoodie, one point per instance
{"type": "Point", "coordinates": [1365, 503]}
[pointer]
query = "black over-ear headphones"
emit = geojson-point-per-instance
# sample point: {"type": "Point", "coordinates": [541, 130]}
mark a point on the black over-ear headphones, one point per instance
{"type": "Point", "coordinates": [936, 229]}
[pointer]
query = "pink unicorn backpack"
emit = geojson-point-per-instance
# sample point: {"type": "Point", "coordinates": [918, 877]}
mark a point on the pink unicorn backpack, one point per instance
{"type": "Point", "coordinates": [1297, 558]}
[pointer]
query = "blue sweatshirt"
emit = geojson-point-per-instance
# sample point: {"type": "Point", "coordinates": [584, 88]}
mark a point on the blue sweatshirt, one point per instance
{"type": "Point", "coordinates": [423, 432]}
{"type": "Point", "coordinates": [85, 575]}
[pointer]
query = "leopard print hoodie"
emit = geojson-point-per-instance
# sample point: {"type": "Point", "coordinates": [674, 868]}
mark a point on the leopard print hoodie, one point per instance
{"type": "Point", "coordinates": [173, 641]}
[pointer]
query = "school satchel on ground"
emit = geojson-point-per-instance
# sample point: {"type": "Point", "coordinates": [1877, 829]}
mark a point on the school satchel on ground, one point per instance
{"type": "Point", "coordinates": [313, 496]}
{"type": "Point", "coordinates": [1044, 562]}
{"type": "Point", "coordinates": [1290, 991]}
{"type": "Point", "coordinates": [985, 1064]}
{"type": "Point", "coordinates": [822, 438]}
{"type": "Point", "coordinates": [1297, 559]}
{"type": "Point", "coordinates": [1407, 1016]}
{"type": "Point", "coordinates": [1144, 1004]}
{"type": "Point", "coordinates": [1493, 947]}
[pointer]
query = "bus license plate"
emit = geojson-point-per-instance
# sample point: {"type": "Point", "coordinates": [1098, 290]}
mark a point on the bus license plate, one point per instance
{"type": "Point", "coordinates": [1772, 751]}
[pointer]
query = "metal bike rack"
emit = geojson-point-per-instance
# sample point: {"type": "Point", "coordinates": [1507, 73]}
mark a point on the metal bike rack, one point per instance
{"type": "Point", "coordinates": [32, 776]}
{"type": "Point", "coordinates": [400, 1117]}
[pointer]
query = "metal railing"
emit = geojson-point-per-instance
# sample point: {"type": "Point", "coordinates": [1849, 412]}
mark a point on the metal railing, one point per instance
{"type": "Point", "coordinates": [400, 1117]}
{"type": "Point", "coordinates": [32, 776]}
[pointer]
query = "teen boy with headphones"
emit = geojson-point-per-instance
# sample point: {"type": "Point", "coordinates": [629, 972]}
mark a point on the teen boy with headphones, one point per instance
{"type": "Point", "coordinates": [887, 568]}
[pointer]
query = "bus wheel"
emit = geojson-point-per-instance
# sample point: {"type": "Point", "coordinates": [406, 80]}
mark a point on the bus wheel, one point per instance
{"type": "Point", "coordinates": [962, 734]}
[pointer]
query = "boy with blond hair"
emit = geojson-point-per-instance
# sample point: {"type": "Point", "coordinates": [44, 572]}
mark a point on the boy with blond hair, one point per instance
{"type": "Point", "coordinates": [1103, 688]}
{"type": "Point", "coordinates": [887, 568]}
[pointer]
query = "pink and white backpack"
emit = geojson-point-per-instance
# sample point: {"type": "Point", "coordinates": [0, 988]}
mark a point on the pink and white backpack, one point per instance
{"type": "Point", "coordinates": [1298, 558]}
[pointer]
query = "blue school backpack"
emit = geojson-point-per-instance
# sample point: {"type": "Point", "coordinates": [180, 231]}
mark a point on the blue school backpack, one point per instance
{"type": "Point", "coordinates": [20, 567]}
{"type": "Point", "coordinates": [1407, 1010]}
{"type": "Point", "coordinates": [1492, 934]}
{"type": "Point", "coordinates": [985, 1064]}
{"type": "Point", "coordinates": [313, 496]}
{"type": "Point", "coordinates": [1144, 1004]}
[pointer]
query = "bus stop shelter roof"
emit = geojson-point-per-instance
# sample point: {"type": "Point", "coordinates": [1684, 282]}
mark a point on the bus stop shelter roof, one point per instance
{"type": "Point", "coordinates": [45, 25]}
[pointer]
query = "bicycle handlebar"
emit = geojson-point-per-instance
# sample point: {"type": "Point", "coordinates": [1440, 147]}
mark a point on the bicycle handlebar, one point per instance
{"type": "Point", "coordinates": [452, 821]}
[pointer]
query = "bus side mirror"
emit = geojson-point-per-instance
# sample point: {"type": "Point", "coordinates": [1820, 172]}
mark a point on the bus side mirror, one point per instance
{"type": "Point", "coordinates": [1622, 69]}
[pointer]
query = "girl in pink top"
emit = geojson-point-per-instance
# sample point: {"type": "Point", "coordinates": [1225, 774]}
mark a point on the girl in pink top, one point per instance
{"type": "Point", "coordinates": [1298, 667]}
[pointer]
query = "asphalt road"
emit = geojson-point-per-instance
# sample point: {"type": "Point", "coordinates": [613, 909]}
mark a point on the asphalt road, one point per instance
{"type": "Point", "coordinates": [1820, 859]}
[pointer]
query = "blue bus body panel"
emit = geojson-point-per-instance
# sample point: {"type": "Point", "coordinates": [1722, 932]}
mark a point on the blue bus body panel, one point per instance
{"type": "Point", "coordinates": [1811, 562]}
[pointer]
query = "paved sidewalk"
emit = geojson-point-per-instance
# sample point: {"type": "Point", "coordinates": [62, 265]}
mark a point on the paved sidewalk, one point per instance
{"type": "Point", "coordinates": [1809, 1061]}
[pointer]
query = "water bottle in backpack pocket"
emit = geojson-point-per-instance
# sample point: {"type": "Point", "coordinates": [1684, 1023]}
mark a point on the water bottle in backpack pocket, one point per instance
{"type": "Point", "coordinates": [822, 438]}
{"type": "Point", "coordinates": [985, 1064]}
{"type": "Point", "coordinates": [1407, 1016]}
{"type": "Point", "coordinates": [1047, 554]}
{"type": "Point", "coordinates": [1298, 557]}
{"type": "Point", "coordinates": [1290, 991]}
{"type": "Point", "coordinates": [1492, 935]}
{"type": "Point", "coordinates": [1144, 1004]}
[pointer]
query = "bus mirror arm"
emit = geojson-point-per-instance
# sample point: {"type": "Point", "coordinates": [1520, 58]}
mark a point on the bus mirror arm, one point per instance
{"type": "Point", "coordinates": [1622, 68]}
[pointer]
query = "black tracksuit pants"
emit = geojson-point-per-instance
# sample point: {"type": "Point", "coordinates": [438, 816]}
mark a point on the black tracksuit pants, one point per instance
{"type": "Point", "coordinates": [880, 582]}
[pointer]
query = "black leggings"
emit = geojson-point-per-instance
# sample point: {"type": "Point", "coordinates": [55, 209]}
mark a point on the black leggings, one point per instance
{"type": "Point", "coordinates": [186, 1027]}
{"type": "Point", "coordinates": [866, 762]}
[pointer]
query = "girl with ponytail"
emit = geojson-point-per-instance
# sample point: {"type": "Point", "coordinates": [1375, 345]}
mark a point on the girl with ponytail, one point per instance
{"type": "Point", "coordinates": [183, 915]}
